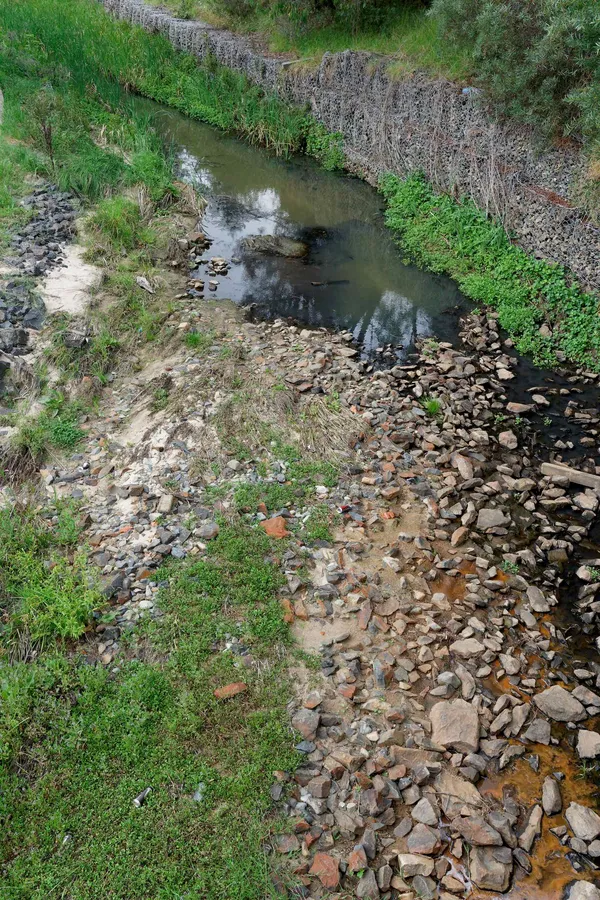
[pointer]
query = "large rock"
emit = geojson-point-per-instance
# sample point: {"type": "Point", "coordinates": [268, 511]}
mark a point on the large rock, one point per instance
{"type": "Point", "coordinates": [588, 744]}
{"type": "Point", "coordinates": [367, 888]}
{"type": "Point", "coordinates": [491, 518]}
{"type": "Point", "coordinates": [455, 725]}
{"type": "Point", "coordinates": [581, 890]}
{"type": "Point", "coordinates": [584, 822]}
{"type": "Point", "coordinates": [467, 648]}
{"type": "Point", "coordinates": [560, 705]}
{"type": "Point", "coordinates": [275, 245]}
{"type": "Point", "coordinates": [491, 867]}
{"type": "Point", "coordinates": [454, 793]}
{"type": "Point", "coordinates": [477, 831]}
{"type": "Point", "coordinates": [423, 840]}
{"type": "Point", "coordinates": [410, 865]}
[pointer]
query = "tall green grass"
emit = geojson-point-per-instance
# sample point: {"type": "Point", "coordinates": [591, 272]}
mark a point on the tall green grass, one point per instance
{"type": "Point", "coordinates": [76, 46]}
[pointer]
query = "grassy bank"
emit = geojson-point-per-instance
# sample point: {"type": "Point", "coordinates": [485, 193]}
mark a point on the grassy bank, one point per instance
{"type": "Point", "coordinates": [104, 59]}
{"type": "Point", "coordinates": [456, 238]}
{"type": "Point", "coordinates": [78, 742]}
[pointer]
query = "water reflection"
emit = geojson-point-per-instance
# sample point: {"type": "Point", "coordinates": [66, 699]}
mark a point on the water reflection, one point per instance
{"type": "Point", "coordinates": [353, 276]}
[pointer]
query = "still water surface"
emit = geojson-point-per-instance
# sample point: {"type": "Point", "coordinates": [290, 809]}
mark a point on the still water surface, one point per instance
{"type": "Point", "coordinates": [361, 283]}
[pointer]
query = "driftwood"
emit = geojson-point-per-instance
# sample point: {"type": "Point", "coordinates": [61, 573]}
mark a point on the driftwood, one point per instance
{"type": "Point", "coordinates": [575, 476]}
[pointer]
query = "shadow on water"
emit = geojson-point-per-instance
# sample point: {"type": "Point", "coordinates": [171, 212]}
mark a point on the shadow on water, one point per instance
{"type": "Point", "coordinates": [353, 276]}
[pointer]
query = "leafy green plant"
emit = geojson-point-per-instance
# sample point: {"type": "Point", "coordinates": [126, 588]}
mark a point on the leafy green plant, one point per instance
{"type": "Point", "coordinates": [457, 238]}
{"type": "Point", "coordinates": [510, 567]}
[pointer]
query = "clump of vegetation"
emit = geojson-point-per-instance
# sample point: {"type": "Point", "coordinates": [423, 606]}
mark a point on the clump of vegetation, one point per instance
{"type": "Point", "coordinates": [199, 340]}
{"type": "Point", "coordinates": [432, 406]}
{"type": "Point", "coordinates": [318, 525]}
{"type": "Point", "coordinates": [457, 238]}
{"type": "Point", "coordinates": [538, 60]}
{"type": "Point", "coordinates": [44, 595]}
{"type": "Point", "coordinates": [118, 222]}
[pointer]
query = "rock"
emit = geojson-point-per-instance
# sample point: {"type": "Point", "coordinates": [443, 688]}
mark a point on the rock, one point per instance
{"type": "Point", "coordinates": [424, 812]}
{"type": "Point", "coordinates": [275, 527]}
{"type": "Point", "coordinates": [454, 793]}
{"type": "Point", "coordinates": [560, 705]}
{"type": "Point", "coordinates": [207, 531]}
{"type": "Point", "coordinates": [476, 831]}
{"type": "Point", "coordinates": [165, 503]}
{"type": "Point", "coordinates": [588, 744]}
{"type": "Point", "coordinates": [423, 840]}
{"type": "Point", "coordinates": [231, 690]}
{"type": "Point", "coordinates": [491, 518]}
{"type": "Point", "coordinates": [467, 648]}
{"type": "Point", "coordinates": [537, 601]}
{"type": "Point", "coordinates": [532, 829]}
{"type": "Point", "coordinates": [581, 890]}
{"type": "Point", "coordinates": [306, 721]}
{"type": "Point", "coordinates": [491, 867]}
{"type": "Point", "coordinates": [367, 886]}
{"type": "Point", "coordinates": [584, 822]}
{"type": "Point", "coordinates": [326, 868]}
{"type": "Point", "coordinates": [551, 798]}
{"type": "Point", "coordinates": [539, 732]}
{"type": "Point", "coordinates": [455, 725]}
{"type": "Point", "coordinates": [508, 439]}
{"type": "Point", "coordinates": [410, 865]}
{"type": "Point", "coordinates": [275, 245]}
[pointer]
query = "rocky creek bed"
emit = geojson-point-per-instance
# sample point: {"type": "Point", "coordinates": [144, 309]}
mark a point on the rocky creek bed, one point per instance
{"type": "Point", "coordinates": [441, 738]}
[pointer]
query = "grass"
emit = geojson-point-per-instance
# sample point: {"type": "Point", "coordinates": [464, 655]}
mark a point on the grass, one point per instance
{"type": "Point", "coordinates": [199, 340]}
{"type": "Point", "coordinates": [109, 55]}
{"type": "Point", "coordinates": [455, 237]}
{"type": "Point", "coordinates": [409, 36]}
{"type": "Point", "coordinates": [432, 406]}
{"type": "Point", "coordinates": [43, 594]}
{"type": "Point", "coordinates": [78, 743]}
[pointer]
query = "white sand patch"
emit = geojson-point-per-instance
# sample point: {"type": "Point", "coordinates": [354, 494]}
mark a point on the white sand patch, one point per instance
{"type": "Point", "coordinates": [67, 289]}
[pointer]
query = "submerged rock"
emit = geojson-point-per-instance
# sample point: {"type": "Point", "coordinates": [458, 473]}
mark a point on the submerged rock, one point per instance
{"type": "Point", "coordinates": [275, 245]}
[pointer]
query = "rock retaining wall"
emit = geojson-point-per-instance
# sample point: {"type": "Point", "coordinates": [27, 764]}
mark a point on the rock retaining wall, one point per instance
{"type": "Point", "coordinates": [414, 124]}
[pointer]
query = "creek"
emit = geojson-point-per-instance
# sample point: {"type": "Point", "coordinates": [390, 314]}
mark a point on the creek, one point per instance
{"type": "Point", "coordinates": [352, 276]}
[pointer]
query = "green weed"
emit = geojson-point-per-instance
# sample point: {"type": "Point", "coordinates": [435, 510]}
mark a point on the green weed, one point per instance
{"type": "Point", "coordinates": [457, 238]}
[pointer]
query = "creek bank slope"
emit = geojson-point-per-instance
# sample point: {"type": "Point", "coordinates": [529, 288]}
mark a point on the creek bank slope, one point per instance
{"type": "Point", "coordinates": [417, 124]}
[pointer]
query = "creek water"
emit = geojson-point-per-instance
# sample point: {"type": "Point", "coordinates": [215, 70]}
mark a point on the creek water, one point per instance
{"type": "Point", "coordinates": [352, 277]}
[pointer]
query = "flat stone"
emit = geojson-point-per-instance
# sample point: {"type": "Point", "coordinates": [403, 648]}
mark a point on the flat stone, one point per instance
{"type": "Point", "coordinates": [275, 527]}
{"type": "Point", "coordinates": [231, 690]}
{"type": "Point", "coordinates": [491, 867]}
{"type": "Point", "coordinates": [532, 829]}
{"type": "Point", "coordinates": [410, 864]}
{"type": "Point", "coordinates": [491, 518]}
{"type": "Point", "coordinates": [584, 822]}
{"type": "Point", "coordinates": [454, 793]}
{"type": "Point", "coordinates": [326, 868]}
{"type": "Point", "coordinates": [560, 705]}
{"type": "Point", "coordinates": [367, 886]}
{"type": "Point", "coordinates": [455, 725]}
{"type": "Point", "coordinates": [423, 839]}
{"type": "Point", "coordinates": [508, 439]}
{"type": "Point", "coordinates": [539, 732]}
{"type": "Point", "coordinates": [588, 744]}
{"type": "Point", "coordinates": [537, 601]}
{"type": "Point", "coordinates": [581, 890]}
{"type": "Point", "coordinates": [424, 812]}
{"type": "Point", "coordinates": [467, 648]}
{"type": "Point", "coordinates": [476, 831]}
{"type": "Point", "coordinates": [306, 721]}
